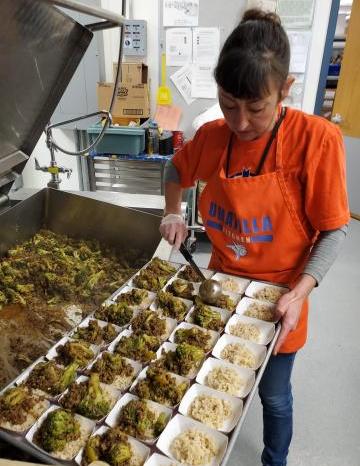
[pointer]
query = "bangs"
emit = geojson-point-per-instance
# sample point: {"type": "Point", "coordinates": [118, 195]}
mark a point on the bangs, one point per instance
{"type": "Point", "coordinates": [243, 75]}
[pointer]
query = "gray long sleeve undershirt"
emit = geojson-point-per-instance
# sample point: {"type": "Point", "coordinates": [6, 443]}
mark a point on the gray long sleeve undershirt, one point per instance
{"type": "Point", "coordinates": [324, 251]}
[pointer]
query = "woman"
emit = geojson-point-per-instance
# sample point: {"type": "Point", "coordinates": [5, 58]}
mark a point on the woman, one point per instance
{"type": "Point", "coordinates": [274, 206]}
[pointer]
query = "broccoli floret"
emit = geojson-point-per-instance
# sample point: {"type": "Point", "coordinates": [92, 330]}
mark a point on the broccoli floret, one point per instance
{"type": "Point", "coordinates": [95, 404]}
{"type": "Point", "coordinates": [67, 377]}
{"type": "Point", "coordinates": [92, 449]}
{"type": "Point", "coordinates": [59, 428]}
{"type": "Point", "coordinates": [119, 454]}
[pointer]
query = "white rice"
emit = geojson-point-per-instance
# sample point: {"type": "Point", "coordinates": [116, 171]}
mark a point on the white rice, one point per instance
{"type": "Point", "coordinates": [238, 354]}
{"type": "Point", "coordinates": [224, 379]}
{"type": "Point", "coordinates": [210, 410]}
{"type": "Point", "coordinates": [246, 331]}
{"type": "Point", "coordinates": [269, 293]}
{"type": "Point", "coordinates": [260, 311]}
{"type": "Point", "coordinates": [193, 447]}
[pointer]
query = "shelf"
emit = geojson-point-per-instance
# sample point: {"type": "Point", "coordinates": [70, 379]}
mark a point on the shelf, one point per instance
{"type": "Point", "coordinates": [339, 44]}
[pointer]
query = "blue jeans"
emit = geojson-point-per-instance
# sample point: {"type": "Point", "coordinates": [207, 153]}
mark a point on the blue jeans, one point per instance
{"type": "Point", "coordinates": [276, 398]}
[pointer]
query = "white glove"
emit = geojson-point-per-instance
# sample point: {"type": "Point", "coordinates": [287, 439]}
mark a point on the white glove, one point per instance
{"type": "Point", "coordinates": [173, 229]}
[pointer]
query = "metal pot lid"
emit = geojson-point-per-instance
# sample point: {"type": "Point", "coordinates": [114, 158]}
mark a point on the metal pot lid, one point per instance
{"type": "Point", "coordinates": [40, 49]}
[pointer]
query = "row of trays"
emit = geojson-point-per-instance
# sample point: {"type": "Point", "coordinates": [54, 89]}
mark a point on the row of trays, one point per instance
{"type": "Point", "coordinates": [150, 451]}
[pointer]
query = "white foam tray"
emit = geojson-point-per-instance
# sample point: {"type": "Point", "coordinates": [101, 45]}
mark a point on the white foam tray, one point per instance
{"type": "Point", "coordinates": [85, 423]}
{"type": "Point", "coordinates": [258, 351]}
{"type": "Point", "coordinates": [142, 376]}
{"type": "Point", "coordinates": [197, 390]}
{"type": "Point", "coordinates": [254, 287]}
{"type": "Point", "coordinates": [139, 449]}
{"type": "Point", "coordinates": [214, 336]}
{"type": "Point", "coordinates": [180, 424]}
{"type": "Point", "coordinates": [240, 283]}
{"type": "Point", "coordinates": [112, 417]}
{"type": "Point", "coordinates": [245, 374]}
{"type": "Point", "coordinates": [172, 347]}
{"type": "Point", "coordinates": [267, 329]}
{"type": "Point", "coordinates": [243, 305]}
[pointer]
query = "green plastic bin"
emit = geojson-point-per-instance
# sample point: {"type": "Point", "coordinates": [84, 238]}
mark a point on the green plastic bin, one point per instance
{"type": "Point", "coordinates": [118, 140]}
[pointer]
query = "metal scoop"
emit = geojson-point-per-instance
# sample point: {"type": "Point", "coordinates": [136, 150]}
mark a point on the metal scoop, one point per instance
{"type": "Point", "coordinates": [209, 289]}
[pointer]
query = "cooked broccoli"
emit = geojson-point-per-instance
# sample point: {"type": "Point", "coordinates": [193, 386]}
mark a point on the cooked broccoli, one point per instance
{"type": "Point", "coordinates": [181, 288]}
{"type": "Point", "coordinates": [161, 386]}
{"type": "Point", "coordinates": [139, 347]}
{"type": "Point", "coordinates": [170, 305]}
{"type": "Point", "coordinates": [149, 280]}
{"type": "Point", "coordinates": [183, 360]}
{"type": "Point", "coordinates": [87, 398]}
{"type": "Point", "coordinates": [150, 323]}
{"type": "Point", "coordinates": [50, 378]}
{"type": "Point", "coordinates": [189, 274]}
{"type": "Point", "coordinates": [161, 267]}
{"type": "Point", "coordinates": [194, 336]}
{"type": "Point", "coordinates": [112, 447]}
{"type": "Point", "coordinates": [74, 351]}
{"type": "Point", "coordinates": [206, 317]}
{"type": "Point", "coordinates": [139, 420]}
{"type": "Point", "coordinates": [110, 366]}
{"type": "Point", "coordinates": [117, 313]}
{"type": "Point", "coordinates": [134, 297]}
{"type": "Point", "coordinates": [92, 449]}
{"type": "Point", "coordinates": [59, 428]}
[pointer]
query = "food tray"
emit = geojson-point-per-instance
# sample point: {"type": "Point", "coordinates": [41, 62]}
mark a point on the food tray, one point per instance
{"type": "Point", "coordinates": [111, 419]}
{"type": "Point", "coordinates": [266, 329]}
{"type": "Point", "coordinates": [235, 403]}
{"type": "Point", "coordinates": [214, 336]}
{"type": "Point", "coordinates": [179, 424]}
{"type": "Point", "coordinates": [246, 394]}
{"type": "Point", "coordinates": [139, 448]}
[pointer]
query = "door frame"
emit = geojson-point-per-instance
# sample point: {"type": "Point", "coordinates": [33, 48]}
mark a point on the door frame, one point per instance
{"type": "Point", "coordinates": [334, 12]}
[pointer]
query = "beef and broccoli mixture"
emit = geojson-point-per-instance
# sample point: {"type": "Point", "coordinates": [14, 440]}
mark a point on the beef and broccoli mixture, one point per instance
{"type": "Point", "coordinates": [78, 352]}
{"type": "Point", "coordinates": [95, 334]}
{"type": "Point", "coordinates": [113, 370]}
{"type": "Point", "coordinates": [181, 288]}
{"type": "Point", "coordinates": [194, 336]}
{"type": "Point", "coordinates": [113, 447]}
{"type": "Point", "coordinates": [161, 386]}
{"type": "Point", "coordinates": [139, 420]}
{"type": "Point", "coordinates": [170, 305]}
{"type": "Point", "coordinates": [150, 323]}
{"type": "Point", "coordinates": [88, 398]}
{"type": "Point", "coordinates": [184, 360]}
{"type": "Point", "coordinates": [139, 347]}
{"type": "Point", "coordinates": [51, 378]}
{"type": "Point", "coordinates": [117, 313]}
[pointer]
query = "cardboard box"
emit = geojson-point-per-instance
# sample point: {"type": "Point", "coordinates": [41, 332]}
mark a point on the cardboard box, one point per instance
{"type": "Point", "coordinates": [132, 73]}
{"type": "Point", "coordinates": [131, 100]}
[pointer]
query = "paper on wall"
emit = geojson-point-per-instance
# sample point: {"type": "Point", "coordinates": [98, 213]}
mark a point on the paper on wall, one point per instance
{"type": "Point", "coordinates": [182, 81]}
{"type": "Point", "coordinates": [297, 14]}
{"type": "Point", "coordinates": [206, 45]}
{"type": "Point", "coordinates": [299, 48]}
{"type": "Point", "coordinates": [180, 13]}
{"type": "Point", "coordinates": [266, 5]}
{"type": "Point", "coordinates": [168, 117]}
{"type": "Point", "coordinates": [203, 85]}
{"type": "Point", "coordinates": [178, 46]}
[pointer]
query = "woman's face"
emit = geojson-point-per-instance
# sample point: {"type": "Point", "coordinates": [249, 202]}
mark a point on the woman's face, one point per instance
{"type": "Point", "coordinates": [250, 119]}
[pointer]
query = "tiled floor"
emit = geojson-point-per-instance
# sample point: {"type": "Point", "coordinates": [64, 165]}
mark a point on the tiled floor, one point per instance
{"type": "Point", "coordinates": [326, 377]}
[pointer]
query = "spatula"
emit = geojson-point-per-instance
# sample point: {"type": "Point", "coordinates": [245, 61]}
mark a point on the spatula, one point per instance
{"type": "Point", "coordinates": [163, 93]}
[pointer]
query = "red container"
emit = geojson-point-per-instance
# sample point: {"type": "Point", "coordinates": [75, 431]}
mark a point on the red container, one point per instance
{"type": "Point", "coordinates": [178, 140]}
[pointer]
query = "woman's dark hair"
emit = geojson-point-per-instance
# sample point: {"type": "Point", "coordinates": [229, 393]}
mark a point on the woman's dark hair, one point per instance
{"type": "Point", "coordinates": [256, 51]}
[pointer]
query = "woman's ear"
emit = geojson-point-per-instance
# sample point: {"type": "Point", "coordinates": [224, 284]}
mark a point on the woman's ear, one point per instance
{"type": "Point", "coordinates": [286, 87]}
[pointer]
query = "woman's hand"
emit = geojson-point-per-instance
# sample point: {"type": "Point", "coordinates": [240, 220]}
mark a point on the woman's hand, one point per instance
{"type": "Point", "coordinates": [173, 229]}
{"type": "Point", "coordinates": [289, 307]}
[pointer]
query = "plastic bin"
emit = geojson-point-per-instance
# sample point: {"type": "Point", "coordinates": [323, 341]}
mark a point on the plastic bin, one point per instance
{"type": "Point", "coordinates": [122, 140]}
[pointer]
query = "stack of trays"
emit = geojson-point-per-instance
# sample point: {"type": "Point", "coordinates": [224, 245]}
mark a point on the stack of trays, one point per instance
{"type": "Point", "coordinates": [154, 370]}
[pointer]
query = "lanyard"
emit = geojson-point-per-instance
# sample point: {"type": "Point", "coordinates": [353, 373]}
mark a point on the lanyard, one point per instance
{"type": "Point", "coordinates": [265, 153]}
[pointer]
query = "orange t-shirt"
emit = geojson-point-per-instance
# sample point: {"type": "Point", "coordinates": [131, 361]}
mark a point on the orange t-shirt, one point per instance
{"type": "Point", "coordinates": [313, 162]}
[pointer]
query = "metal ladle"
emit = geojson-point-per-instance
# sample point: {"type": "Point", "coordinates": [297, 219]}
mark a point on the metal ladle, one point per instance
{"type": "Point", "coordinates": [209, 289]}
